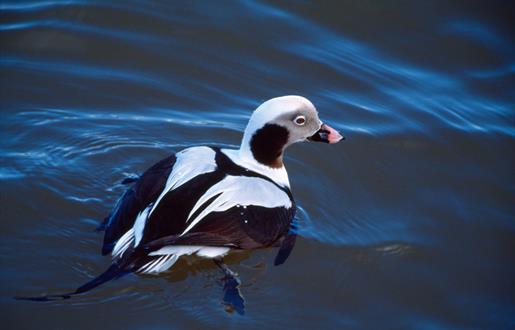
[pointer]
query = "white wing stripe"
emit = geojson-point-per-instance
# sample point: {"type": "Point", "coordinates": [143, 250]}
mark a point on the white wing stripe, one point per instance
{"type": "Point", "coordinates": [123, 243]}
{"type": "Point", "coordinates": [171, 259]}
{"type": "Point", "coordinates": [155, 268]}
{"type": "Point", "coordinates": [189, 163]}
{"type": "Point", "coordinates": [124, 248]}
{"type": "Point", "coordinates": [159, 265]}
{"type": "Point", "coordinates": [139, 225]}
{"type": "Point", "coordinates": [149, 265]}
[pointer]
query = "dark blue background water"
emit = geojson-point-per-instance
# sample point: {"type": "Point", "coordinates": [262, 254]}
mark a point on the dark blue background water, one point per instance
{"type": "Point", "coordinates": [407, 224]}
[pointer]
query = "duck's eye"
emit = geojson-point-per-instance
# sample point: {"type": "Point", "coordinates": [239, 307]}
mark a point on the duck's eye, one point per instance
{"type": "Point", "coordinates": [300, 120]}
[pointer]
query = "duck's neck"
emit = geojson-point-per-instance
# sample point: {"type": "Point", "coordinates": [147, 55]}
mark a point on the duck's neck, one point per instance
{"type": "Point", "coordinates": [244, 159]}
{"type": "Point", "coordinates": [265, 145]}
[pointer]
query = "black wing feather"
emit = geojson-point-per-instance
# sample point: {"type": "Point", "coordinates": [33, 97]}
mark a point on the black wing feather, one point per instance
{"type": "Point", "coordinates": [240, 228]}
{"type": "Point", "coordinates": [145, 191]}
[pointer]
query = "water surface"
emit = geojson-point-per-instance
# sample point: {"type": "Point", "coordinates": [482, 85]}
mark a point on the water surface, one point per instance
{"type": "Point", "coordinates": [407, 224]}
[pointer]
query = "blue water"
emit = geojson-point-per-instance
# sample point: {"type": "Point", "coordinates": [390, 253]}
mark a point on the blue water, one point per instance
{"type": "Point", "coordinates": [409, 223]}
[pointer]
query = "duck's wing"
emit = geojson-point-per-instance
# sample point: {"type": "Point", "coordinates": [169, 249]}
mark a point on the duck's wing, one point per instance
{"type": "Point", "coordinates": [168, 186]}
{"type": "Point", "coordinates": [247, 211]}
{"type": "Point", "coordinates": [142, 193]}
{"type": "Point", "coordinates": [228, 229]}
{"type": "Point", "coordinates": [232, 206]}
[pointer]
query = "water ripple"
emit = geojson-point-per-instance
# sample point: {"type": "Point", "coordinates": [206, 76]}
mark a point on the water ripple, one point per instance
{"type": "Point", "coordinates": [74, 27]}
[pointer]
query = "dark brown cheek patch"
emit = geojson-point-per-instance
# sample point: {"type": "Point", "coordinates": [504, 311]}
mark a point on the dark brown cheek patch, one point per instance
{"type": "Point", "coordinates": [267, 144]}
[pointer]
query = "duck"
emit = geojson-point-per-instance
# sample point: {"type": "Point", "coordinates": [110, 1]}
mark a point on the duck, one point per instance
{"type": "Point", "coordinates": [208, 201]}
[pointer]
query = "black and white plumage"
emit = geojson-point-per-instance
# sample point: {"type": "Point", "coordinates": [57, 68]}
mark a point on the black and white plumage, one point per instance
{"type": "Point", "coordinates": [207, 205]}
{"type": "Point", "coordinates": [207, 201]}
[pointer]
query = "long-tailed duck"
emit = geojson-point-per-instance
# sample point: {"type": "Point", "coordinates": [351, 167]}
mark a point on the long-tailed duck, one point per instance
{"type": "Point", "coordinates": [207, 200]}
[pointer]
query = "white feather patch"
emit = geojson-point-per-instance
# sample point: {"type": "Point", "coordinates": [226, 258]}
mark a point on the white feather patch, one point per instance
{"type": "Point", "coordinates": [176, 249]}
{"type": "Point", "coordinates": [139, 225]}
{"type": "Point", "coordinates": [190, 163]}
{"type": "Point", "coordinates": [239, 190]}
{"type": "Point", "coordinates": [212, 251]}
{"type": "Point", "coordinates": [203, 251]}
{"type": "Point", "coordinates": [158, 265]}
{"type": "Point", "coordinates": [123, 243]}
{"type": "Point", "coordinates": [168, 255]}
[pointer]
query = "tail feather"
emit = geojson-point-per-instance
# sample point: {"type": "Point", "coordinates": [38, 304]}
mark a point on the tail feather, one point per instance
{"type": "Point", "coordinates": [113, 272]}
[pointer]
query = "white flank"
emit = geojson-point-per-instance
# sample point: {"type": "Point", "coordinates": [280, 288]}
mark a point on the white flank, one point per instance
{"type": "Point", "coordinates": [239, 191]}
{"type": "Point", "coordinates": [176, 249]}
{"type": "Point", "coordinates": [203, 251]}
{"type": "Point", "coordinates": [168, 255]}
{"type": "Point", "coordinates": [212, 251]}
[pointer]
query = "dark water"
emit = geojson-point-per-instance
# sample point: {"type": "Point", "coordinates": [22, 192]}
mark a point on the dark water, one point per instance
{"type": "Point", "coordinates": [407, 224]}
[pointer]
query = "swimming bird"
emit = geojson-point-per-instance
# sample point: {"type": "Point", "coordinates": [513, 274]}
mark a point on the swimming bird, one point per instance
{"type": "Point", "coordinates": [208, 201]}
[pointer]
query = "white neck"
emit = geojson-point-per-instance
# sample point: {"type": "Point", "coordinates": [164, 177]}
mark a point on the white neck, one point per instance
{"type": "Point", "coordinates": [243, 157]}
{"type": "Point", "coordinates": [245, 153]}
